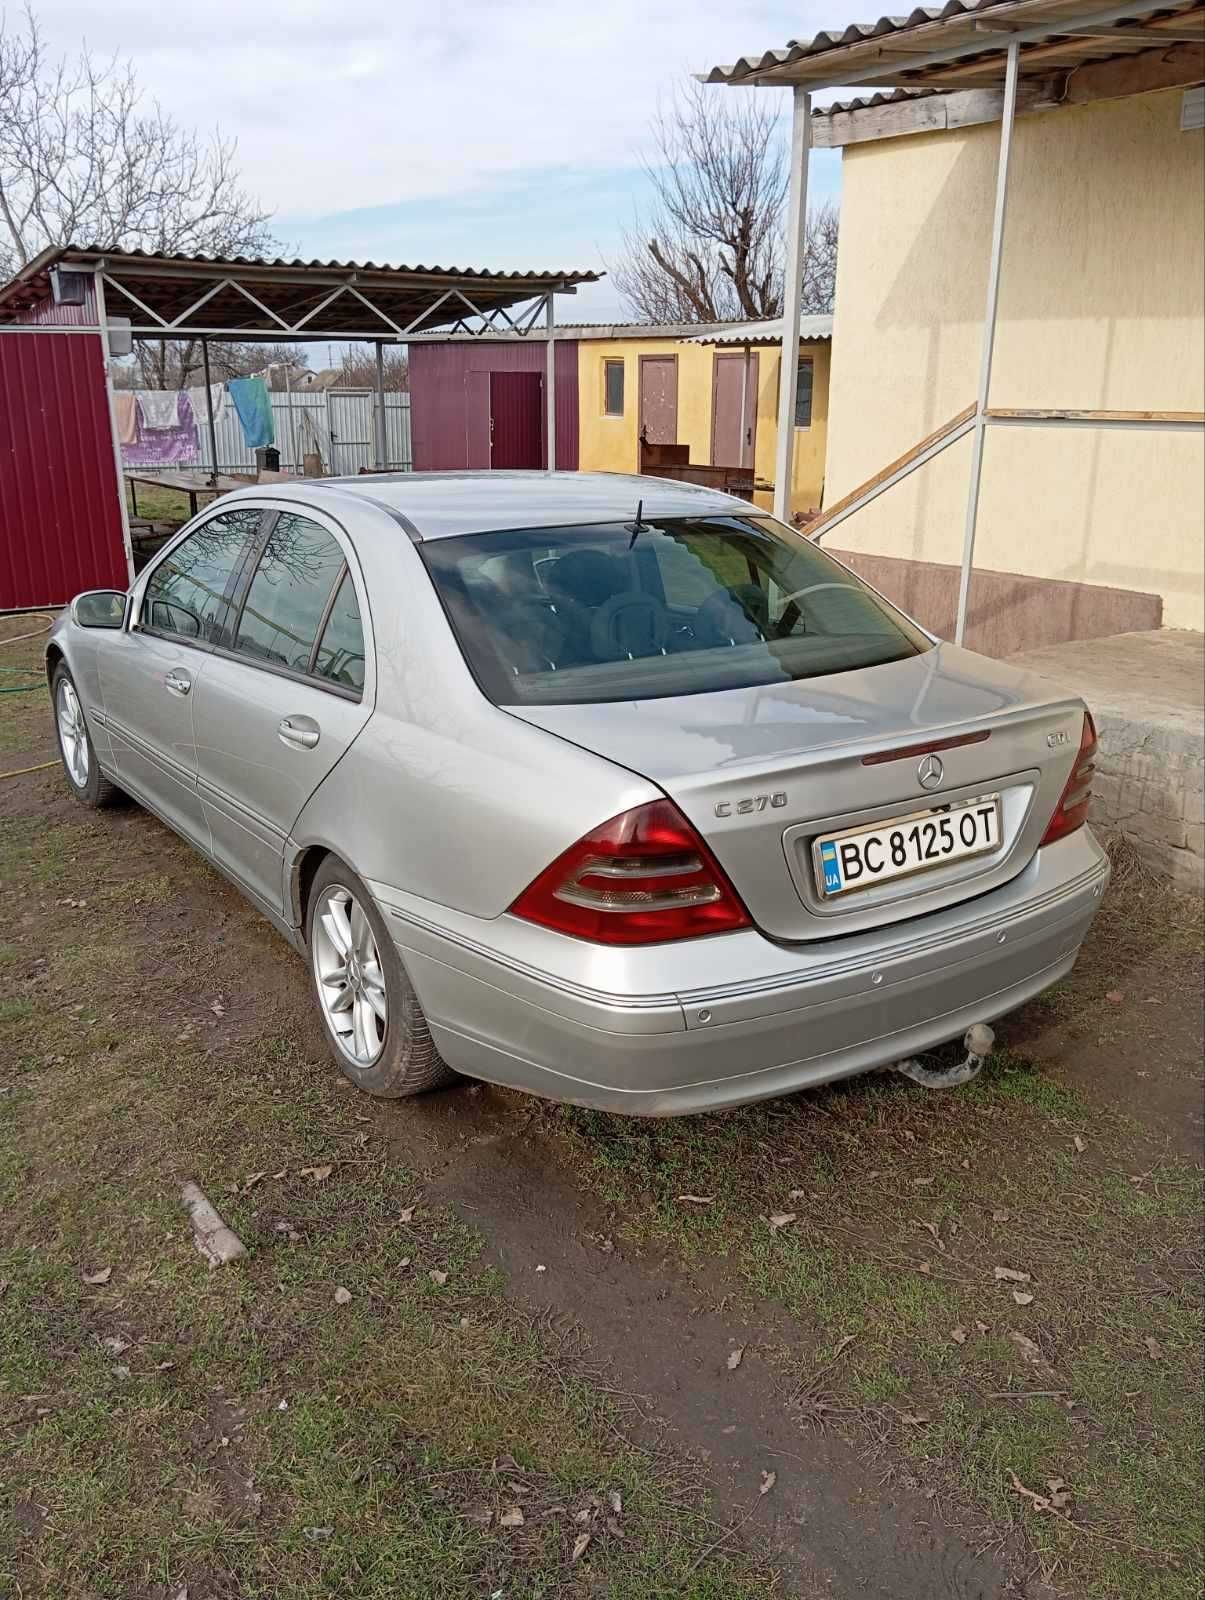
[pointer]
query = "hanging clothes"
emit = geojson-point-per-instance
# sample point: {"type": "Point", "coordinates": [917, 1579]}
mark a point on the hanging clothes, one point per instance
{"type": "Point", "coordinates": [125, 414]}
{"type": "Point", "coordinates": [196, 399]}
{"type": "Point", "coordinates": [160, 408]}
{"type": "Point", "coordinates": [253, 403]}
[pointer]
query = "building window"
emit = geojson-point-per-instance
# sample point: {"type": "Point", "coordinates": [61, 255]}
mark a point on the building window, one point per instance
{"type": "Point", "coordinates": [803, 393]}
{"type": "Point", "coordinates": [612, 388]}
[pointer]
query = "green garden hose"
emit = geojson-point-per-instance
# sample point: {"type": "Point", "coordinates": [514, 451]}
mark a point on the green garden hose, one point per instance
{"type": "Point", "coordinates": [22, 688]}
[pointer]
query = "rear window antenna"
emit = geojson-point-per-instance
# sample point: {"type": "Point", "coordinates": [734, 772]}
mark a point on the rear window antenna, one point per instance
{"type": "Point", "coordinates": [636, 528]}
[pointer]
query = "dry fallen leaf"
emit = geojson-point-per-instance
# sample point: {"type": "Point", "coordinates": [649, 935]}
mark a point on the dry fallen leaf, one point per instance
{"type": "Point", "coordinates": [1001, 1215]}
{"type": "Point", "coordinates": [406, 1213]}
{"type": "Point", "coordinates": [981, 1327]}
{"type": "Point", "coordinates": [615, 1500]}
{"type": "Point", "coordinates": [436, 1276]}
{"type": "Point", "coordinates": [1055, 1501]}
{"type": "Point", "coordinates": [1080, 1144]}
{"type": "Point", "coordinates": [768, 1480]}
{"type": "Point", "coordinates": [959, 1335]}
{"type": "Point", "coordinates": [1115, 997]}
{"type": "Point", "coordinates": [925, 1267]}
{"type": "Point", "coordinates": [921, 1183]}
{"type": "Point", "coordinates": [1032, 1353]}
{"type": "Point", "coordinates": [1022, 1299]}
{"type": "Point", "coordinates": [114, 1345]}
{"type": "Point", "coordinates": [218, 1009]}
{"type": "Point", "coordinates": [253, 1179]}
{"type": "Point", "coordinates": [342, 1296]}
{"type": "Point", "coordinates": [101, 1276]}
{"type": "Point", "coordinates": [1153, 1348]}
{"type": "Point", "coordinates": [579, 1546]}
{"type": "Point", "coordinates": [798, 1194]}
{"type": "Point", "coordinates": [1059, 1495]}
{"type": "Point", "coordinates": [1010, 1275]}
{"type": "Point", "coordinates": [696, 1199]}
{"type": "Point", "coordinates": [735, 1358]}
{"type": "Point", "coordinates": [845, 1340]}
{"type": "Point", "coordinates": [512, 1517]}
{"type": "Point", "coordinates": [319, 1174]}
{"type": "Point", "coordinates": [780, 1219]}
{"type": "Point", "coordinates": [913, 1419]}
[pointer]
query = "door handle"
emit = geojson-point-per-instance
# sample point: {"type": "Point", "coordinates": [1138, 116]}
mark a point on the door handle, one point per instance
{"type": "Point", "coordinates": [178, 681]}
{"type": "Point", "coordinates": [303, 732]}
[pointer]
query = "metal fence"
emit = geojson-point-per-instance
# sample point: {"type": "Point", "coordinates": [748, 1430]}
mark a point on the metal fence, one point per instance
{"type": "Point", "coordinates": [344, 421]}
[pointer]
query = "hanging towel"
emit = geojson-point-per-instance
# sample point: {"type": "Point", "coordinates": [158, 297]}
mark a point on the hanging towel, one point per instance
{"type": "Point", "coordinates": [254, 406]}
{"type": "Point", "coordinates": [125, 411]}
{"type": "Point", "coordinates": [196, 399]}
{"type": "Point", "coordinates": [160, 408]}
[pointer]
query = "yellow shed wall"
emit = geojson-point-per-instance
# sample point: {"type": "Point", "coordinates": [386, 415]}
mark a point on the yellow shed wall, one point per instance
{"type": "Point", "coordinates": [1102, 306]}
{"type": "Point", "coordinates": [609, 444]}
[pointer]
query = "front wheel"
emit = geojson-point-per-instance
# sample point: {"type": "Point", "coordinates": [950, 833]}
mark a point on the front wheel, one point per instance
{"type": "Point", "coordinates": [88, 784]}
{"type": "Point", "coordinates": [370, 1013]}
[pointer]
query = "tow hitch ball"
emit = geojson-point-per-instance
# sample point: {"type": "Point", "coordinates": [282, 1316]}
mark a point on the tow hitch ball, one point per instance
{"type": "Point", "coordinates": [978, 1041]}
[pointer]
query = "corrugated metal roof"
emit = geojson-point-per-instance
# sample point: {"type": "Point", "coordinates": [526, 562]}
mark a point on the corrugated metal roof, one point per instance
{"type": "Point", "coordinates": [169, 283]}
{"type": "Point", "coordinates": [865, 52]}
{"type": "Point", "coordinates": [863, 102]}
{"type": "Point", "coordinates": [767, 331]}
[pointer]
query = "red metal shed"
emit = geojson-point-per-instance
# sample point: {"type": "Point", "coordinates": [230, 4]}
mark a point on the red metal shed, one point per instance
{"type": "Point", "coordinates": [476, 404]}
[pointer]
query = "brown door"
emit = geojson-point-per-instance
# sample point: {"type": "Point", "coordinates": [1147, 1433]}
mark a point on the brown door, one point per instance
{"type": "Point", "coordinates": [516, 420]}
{"type": "Point", "coordinates": [659, 399]}
{"type": "Point", "coordinates": [734, 410]}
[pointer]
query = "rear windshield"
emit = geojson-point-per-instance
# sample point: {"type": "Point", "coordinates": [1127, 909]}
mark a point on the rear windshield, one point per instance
{"type": "Point", "coordinates": [613, 611]}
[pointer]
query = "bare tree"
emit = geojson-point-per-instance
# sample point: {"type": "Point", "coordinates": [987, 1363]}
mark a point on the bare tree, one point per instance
{"type": "Point", "coordinates": [83, 160]}
{"type": "Point", "coordinates": [158, 364]}
{"type": "Point", "coordinates": [358, 370]}
{"type": "Point", "coordinates": [713, 248]}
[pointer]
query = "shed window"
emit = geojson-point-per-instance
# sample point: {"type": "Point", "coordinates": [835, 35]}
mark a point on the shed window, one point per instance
{"type": "Point", "coordinates": [613, 388]}
{"type": "Point", "coordinates": [803, 393]}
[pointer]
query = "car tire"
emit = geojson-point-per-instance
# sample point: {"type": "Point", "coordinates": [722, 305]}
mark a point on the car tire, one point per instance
{"type": "Point", "coordinates": [76, 750]}
{"type": "Point", "coordinates": [391, 1056]}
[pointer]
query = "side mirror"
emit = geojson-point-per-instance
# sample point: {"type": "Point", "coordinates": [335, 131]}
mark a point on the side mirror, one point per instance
{"type": "Point", "coordinates": [99, 608]}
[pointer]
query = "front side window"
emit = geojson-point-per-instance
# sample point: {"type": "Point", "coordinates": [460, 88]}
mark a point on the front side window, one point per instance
{"type": "Point", "coordinates": [289, 593]}
{"type": "Point", "coordinates": [674, 606]}
{"type": "Point", "coordinates": [613, 388]}
{"type": "Point", "coordinates": [803, 393]}
{"type": "Point", "coordinates": [186, 593]}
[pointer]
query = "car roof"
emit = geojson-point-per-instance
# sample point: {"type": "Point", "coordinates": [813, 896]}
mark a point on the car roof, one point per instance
{"type": "Point", "coordinates": [441, 505]}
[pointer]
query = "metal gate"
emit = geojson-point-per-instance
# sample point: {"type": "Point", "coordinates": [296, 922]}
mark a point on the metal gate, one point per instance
{"type": "Point", "coordinates": [349, 418]}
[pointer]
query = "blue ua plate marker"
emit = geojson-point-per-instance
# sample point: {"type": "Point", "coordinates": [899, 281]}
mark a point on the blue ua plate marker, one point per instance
{"type": "Point", "coordinates": [832, 868]}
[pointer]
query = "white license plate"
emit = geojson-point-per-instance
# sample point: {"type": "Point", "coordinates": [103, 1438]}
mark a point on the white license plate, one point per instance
{"type": "Point", "coordinates": [916, 843]}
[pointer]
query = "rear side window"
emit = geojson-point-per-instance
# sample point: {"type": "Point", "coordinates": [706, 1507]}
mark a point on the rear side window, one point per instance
{"type": "Point", "coordinates": [288, 597]}
{"type": "Point", "coordinates": [186, 593]}
{"type": "Point", "coordinates": [565, 616]}
{"type": "Point", "coordinates": [341, 649]}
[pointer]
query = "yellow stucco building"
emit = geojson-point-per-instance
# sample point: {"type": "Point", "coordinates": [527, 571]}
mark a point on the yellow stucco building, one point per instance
{"type": "Point", "coordinates": [683, 391]}
{"type": "Point", "coordinates": [1102, 306]}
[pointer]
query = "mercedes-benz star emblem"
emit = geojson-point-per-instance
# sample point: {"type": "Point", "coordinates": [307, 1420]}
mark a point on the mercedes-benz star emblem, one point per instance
{"type": "Point", "coordinates": [930, 772]}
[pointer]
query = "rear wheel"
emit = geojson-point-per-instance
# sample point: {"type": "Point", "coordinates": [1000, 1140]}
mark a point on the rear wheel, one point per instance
{"type": "Point", "coordinates": [373, 1022]}
{"type": "Point", "coordinates": [88, 784]}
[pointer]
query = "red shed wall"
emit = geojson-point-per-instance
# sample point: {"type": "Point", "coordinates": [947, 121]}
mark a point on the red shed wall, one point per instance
{"type": "Point", "coordinates": [450, 400]}
{"type": "Point", "coordinates": [60, 517]}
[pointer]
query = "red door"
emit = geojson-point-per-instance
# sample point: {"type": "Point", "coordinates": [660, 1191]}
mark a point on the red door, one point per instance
{"type": "Point", "coordinates": [516, 419]}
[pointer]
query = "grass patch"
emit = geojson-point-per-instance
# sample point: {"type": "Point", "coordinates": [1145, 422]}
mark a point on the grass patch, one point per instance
{"type": "Point", "coordinates": [904, 1203]}
{"type": "Point", "coordinates": [242, 1431]}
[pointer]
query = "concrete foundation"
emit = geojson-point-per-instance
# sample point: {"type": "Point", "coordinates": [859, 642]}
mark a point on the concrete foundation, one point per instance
{"type": "Point", "coordinates": [1147, 694]}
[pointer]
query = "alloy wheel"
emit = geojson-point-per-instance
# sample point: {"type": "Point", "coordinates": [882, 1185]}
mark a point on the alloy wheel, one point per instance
{"type": "Point", "coordinates": [349, 976]}
{"type": "Point", "coordinates": [73, 735]}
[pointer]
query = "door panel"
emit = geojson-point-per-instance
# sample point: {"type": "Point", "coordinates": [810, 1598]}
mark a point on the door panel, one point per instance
{"type": "Point", "coordinates": [659, 399]}
{"type": "Point", "coordinates": [734, 411]}
{"type": "Point", "coordinates": [150, 724]}
{"type": "Point", "coordinates": [350, 420]}
{"type": "Point", "coordinates": [253, 780]}
{"type": "Point", "coordinates": [516, 420]}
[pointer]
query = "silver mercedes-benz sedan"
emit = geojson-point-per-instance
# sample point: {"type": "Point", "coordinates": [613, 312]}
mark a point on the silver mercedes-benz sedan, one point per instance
{"type": "Point", "coordinates": [610, 789]}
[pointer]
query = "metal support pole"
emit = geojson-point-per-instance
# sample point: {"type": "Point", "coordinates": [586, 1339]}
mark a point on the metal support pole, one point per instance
{"type": "Point", "coordinates": [382, 446]}
{"type": "Point", "coordinates": [989, 338]}
{"type": "Point", "coordinates": [213, 435]}
{"type": "Point", "coordinates": [792, 295]}
{"type": "Point", "coordinates": [550, 382]}
{"type": "Point", "coordinates": [103, 323]}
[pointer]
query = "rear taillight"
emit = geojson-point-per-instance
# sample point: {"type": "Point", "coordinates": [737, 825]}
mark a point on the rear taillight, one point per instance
{"type": "Point", "coordinates": [1072, 810]}
{"type": "Point", "coordinates": [642, 878]}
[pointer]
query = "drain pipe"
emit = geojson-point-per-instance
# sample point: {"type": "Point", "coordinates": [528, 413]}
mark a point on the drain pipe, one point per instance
{"type": "Point", "coordinates": [978, 1041]}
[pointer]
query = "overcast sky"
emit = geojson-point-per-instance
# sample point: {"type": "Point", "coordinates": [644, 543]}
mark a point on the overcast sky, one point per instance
{"type": "Point", "coordinates": [505, 134]}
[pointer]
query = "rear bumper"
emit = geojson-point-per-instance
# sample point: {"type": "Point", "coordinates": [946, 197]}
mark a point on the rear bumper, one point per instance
{"type": "Point", "coordinates": [761, 1020]}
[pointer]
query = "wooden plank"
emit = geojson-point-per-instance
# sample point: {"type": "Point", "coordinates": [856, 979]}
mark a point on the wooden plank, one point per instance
{"type": "Point", "coordinates": [1178, 66]}
{"type": "Point", "coordinates": [1043, 414]}
{"type": "Point", "coordinates": [892, 466]}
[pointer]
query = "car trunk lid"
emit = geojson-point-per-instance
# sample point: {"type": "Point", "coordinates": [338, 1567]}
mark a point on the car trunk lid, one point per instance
{"type": "Point", "coordinates": [764, 772]}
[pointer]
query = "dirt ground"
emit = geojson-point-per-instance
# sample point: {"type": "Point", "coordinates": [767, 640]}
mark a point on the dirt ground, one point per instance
{"type": "Point", "coordinates": [852, 1402]}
